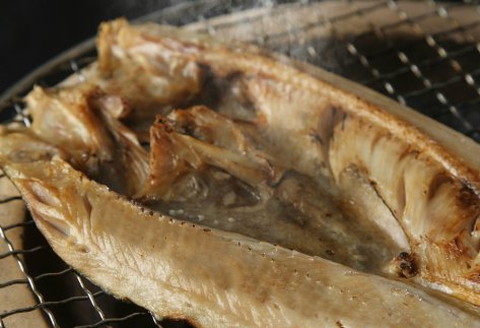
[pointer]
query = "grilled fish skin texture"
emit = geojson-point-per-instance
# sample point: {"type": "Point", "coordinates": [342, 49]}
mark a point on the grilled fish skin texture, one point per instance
{"type": "Point", "coordinates": [169, 266]}
{"type": "Point", "coordinates": [402, 202]}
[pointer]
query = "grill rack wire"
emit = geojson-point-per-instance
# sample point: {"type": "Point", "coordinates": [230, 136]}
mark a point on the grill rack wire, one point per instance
{"type": "Point", "coordinates": [387, 64]}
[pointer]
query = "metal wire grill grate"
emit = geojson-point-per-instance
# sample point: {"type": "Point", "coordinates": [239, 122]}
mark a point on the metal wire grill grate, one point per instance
{"type": "Point", "coordinates": [423, 54]}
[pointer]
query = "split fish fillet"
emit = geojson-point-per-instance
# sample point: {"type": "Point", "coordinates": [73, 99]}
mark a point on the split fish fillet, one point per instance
{"type": "Point", "coordinates": [256, 173]}
{"type": "Point", "coordinates": [211, 278]}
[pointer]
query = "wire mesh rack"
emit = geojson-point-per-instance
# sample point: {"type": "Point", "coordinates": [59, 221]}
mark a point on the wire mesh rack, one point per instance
{"type": "Point", "coordinates": [422, 54]}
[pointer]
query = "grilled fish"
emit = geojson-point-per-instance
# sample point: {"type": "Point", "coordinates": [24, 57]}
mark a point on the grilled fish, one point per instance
{"type": "Point", "coordinates": [291, 168]}
{"type": "Point", "coordinates": [210, 277]}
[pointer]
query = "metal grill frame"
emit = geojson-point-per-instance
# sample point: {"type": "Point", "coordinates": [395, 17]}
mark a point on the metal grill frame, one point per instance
{"type": "Point", "coordinates": [73, 60]}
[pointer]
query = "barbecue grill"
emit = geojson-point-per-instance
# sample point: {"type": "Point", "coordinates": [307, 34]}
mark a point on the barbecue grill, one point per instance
{"type": "Point", "coordinates": [422, 54]}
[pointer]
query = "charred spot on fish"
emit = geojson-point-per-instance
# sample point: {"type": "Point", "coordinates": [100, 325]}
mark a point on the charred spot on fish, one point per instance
{"type": "Point", "coordinates": [179, 321]}
{"type": "Point", "coordinates": [340, 324]}
{"type": "Point", "coordinates": [316, 137]}
{"type": "Point", "coordinates": [405, 265]}
{"type": "Point", "coordinates": [83, 249]}
{"type": "Point", "coordinates": [211, 87]}
{"type": "Point", "coordinates": [467, 197]}
{"type": "Point", "coordinates": [404, 255]}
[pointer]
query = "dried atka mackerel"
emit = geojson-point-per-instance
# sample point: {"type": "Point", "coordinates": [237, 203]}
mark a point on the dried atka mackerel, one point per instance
{"type": "Point", "coordinates": [232, 187]}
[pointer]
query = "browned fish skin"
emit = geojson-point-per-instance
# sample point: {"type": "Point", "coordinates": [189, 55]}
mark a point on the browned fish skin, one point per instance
{"type": "Point", "coordinates": [211, 277]}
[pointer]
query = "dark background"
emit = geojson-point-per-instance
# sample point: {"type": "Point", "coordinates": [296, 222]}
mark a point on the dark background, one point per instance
{"type": "Point", "coordinates": [33, 31]}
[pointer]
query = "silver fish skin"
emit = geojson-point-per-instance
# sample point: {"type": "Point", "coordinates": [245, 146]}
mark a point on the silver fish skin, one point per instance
{"type": "Point", "coordinates": [211, 278]}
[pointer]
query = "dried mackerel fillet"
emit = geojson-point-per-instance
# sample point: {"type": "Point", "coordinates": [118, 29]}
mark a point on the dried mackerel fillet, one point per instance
{"type": "Point", "coordinates": [254, 174]}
